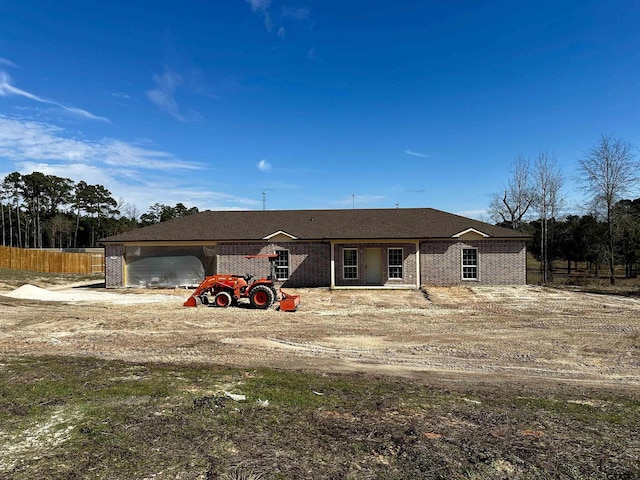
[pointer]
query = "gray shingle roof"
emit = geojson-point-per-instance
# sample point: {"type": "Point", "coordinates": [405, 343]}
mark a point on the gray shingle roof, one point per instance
{"type": "Point", "coordinates": [366, 224]}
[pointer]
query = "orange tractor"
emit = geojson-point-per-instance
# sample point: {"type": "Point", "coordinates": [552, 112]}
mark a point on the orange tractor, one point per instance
{"type": "Point", "coordinates": [225, 290]}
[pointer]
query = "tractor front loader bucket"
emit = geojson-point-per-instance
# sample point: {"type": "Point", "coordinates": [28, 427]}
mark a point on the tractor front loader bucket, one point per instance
{"type": "Point", "coordinates": [191, 302]}
{"type": "Point", "coordinates": [206, 284]}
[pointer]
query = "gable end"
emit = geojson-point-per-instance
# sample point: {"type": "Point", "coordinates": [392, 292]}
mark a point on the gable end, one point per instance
{"type": "Point", "coordinates": [471, 234]}
{"type": "Point", "coordinates": [281, 236]}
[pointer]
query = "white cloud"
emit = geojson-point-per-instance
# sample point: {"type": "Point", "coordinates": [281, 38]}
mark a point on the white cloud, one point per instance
{"type": "Point", "coordinates": [28, 140]}
{"type": "Point", "coordinates": [7, 90]}
{"type": "Point", "coordinates": [262, 6]}
{"type": "Point", "coordinates": [481, 215]}
{"type": "Point", "coordinates": [91, 174]}
{"type": "Point", "coordinates": [135, 172]}
{"type": "Point", "coordinates": [417, 154]}
{"type": "Point", "coordinates": [296, 13]}
{"type": "Point", "coordinates": [264, 166]}
{"type": "Point", "coordinates": [145, 193]}
{"type": "Point", "coordinates": [259, 5]}
{"type": "Point", "coordinates": [163, 94]}
{"type": "Point", "coordinates": [8, 63]}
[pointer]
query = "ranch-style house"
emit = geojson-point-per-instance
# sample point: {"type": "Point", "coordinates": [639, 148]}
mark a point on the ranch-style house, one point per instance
{"type": "Point", "coordinates": [354, 248]}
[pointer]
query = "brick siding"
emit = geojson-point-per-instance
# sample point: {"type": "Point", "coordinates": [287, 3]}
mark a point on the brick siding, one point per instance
{"type": "Point", "coordinates": [114, 265]}
{"type": "Point", "coordinates": [500, 262]}
{"type": "Point", "coordinates": [309, 262]}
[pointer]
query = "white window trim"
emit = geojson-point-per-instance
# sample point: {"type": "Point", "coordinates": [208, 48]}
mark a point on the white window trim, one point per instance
{"type": "Point", "coordinates": [401, 265]}
{"type": "Point", "coordinates": [344, 267]}
{"type": "Point", "coordinates": [280, 267]}
{"type": "Point", "coordinates": [462, 265]}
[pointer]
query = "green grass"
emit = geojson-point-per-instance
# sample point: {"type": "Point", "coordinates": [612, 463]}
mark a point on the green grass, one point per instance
{"type": "Point", "coordinates": [72, 418]}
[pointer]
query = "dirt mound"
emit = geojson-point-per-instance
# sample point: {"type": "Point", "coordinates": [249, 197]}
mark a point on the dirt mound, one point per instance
{"type": "Point", "coordinates": [31, 292]}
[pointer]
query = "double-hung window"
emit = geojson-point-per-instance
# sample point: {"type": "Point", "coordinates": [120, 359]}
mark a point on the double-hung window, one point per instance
{"type": "Point", "coordinates": [469, 263]}
{"type": "Point", "coordinates": [350, 262]}
{"type": "Point", "coordinates": [395, 262]}
{"type": "Point", "coordinates": [282, 265]}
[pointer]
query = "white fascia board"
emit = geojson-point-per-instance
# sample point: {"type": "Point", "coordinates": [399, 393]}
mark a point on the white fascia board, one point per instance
{"type": "Point", "coordinates": [470, 230]}
{"type": "Point", "coordinates": [280, 232]}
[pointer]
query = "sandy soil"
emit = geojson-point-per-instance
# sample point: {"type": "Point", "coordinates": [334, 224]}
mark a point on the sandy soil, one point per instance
{"type": "Point", "coordinates": [482, 333]}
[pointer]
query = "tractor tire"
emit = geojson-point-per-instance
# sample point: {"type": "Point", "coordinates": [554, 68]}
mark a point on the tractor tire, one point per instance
{"type": "Point", "coordinates": [222, 299]}
{"type": "Point", "coordinates": [261, 297]}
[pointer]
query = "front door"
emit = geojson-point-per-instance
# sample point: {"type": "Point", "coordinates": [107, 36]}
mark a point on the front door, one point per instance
{"type": "Point", "coordinates": [373, 266]}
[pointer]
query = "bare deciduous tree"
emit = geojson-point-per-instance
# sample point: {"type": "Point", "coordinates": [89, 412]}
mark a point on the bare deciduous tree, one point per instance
{"type": "Point", "coordinates": [547, 181]}
{"type": "Point", "coordinates": [607, 172]}
{"type": "Point", "coordinates": [512, 206]}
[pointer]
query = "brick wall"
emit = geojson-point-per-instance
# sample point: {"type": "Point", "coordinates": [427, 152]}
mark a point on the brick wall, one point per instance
{"type": "Point", "coordinates": [500, 262]}
{"type": "Point", "coordinates": [408, 264]}
{"type": "Point", "coordinates": [114, 265]}
{"type": "Point", "coordinates": [309, 263]}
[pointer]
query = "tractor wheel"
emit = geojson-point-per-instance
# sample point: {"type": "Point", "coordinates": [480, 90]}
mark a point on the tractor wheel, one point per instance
{"type": "Point", "coordinates": [261, 297]}
{"type": "Point", "coordinates": [222, 299]}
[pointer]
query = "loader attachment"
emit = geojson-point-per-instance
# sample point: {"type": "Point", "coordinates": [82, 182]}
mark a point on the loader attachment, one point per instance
{"type": "Point", "coordinates": [205, 285]}
{"type": "Point", "coordinates": [289, 303]}
{"type": "Point", "coordinates": [191, 302]}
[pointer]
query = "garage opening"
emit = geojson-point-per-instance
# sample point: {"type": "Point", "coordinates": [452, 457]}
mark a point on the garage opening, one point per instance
{"type": "Point", "coordinates": [167, 267]}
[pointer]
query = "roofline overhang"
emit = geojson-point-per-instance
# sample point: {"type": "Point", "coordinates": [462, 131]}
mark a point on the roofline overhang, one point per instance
{"type": "Point", "coordinates": [310, 240]}
{"type": "Point", "coordinates": [488, 238]}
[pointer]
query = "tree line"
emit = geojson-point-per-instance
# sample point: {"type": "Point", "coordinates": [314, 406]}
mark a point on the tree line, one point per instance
{"type": "Point", "coordinates": [47, 211]}
{"type": "Point", "coordinates": [608, 234]}
{"type": "Point", "coordinates": [40, 211]}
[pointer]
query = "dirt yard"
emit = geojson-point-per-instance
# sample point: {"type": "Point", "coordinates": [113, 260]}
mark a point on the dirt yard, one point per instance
{"type": "Point", "coordinates": [480, 334]}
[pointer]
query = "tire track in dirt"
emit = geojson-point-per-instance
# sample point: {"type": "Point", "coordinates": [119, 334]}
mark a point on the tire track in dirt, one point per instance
{"type": "Point", "coordinates": [522, 331]}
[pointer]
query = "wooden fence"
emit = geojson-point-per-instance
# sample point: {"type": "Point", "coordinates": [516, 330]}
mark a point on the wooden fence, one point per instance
{"type": "Point", "coordinates": [51, 261]}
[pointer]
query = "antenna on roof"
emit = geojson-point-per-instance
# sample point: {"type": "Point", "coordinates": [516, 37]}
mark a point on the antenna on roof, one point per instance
{"type": "Point", "coordinates": [264, 200]}
{"type": "Point", "coordinates": [397, 205]}
{"type": "Point", "coordinates": [353, 200]}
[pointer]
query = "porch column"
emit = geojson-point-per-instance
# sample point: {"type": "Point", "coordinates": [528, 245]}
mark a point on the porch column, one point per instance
{"type": "Point", "coordinates": [333, 267]}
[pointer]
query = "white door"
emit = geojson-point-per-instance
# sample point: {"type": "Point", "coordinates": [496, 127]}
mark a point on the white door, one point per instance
{"type": "Point", "coordinates": [373, 266]}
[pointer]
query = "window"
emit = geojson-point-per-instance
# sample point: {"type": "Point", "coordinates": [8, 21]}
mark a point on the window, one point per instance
{"type": "Point", "coordinates": [282, 264]}
{"type": "Point", "coordinates": [350, 262]}
{"type": "Point", "coordinates": [395, 262]}
{"type": "Point", "coordinates": [469, 263]}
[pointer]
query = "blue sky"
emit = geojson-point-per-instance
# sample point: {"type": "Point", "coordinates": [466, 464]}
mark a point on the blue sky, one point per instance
{"type": "Point", "coordinates": [322, 104]}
